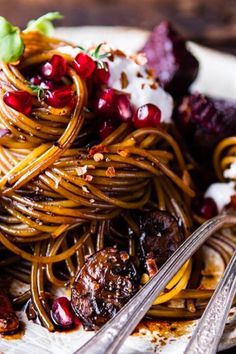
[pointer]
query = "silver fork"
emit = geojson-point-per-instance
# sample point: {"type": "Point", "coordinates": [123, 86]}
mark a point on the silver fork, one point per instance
{"type": "Point", "coordinates": [207, 334]}
{"type": "Point", "coordinates": [112, 335]}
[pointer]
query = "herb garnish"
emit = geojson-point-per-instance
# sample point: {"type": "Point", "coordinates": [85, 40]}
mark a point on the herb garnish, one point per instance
{"type": "Point", "coordinates": [11, 43]}
{"type": "Point", "coordinates": [96, 55]}
{"type": "Point", "coordinates": [44, 23]}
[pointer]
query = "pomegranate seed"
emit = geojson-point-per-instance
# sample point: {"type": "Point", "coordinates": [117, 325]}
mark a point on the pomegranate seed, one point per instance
{"type": "Point", "coordinates": [45, 84]}
{"type": "Point", "coordinates": [36, 80]}
{"type": "Point", "coordinates": [21, 101]}
{"type": "Point", "coordinates": [60, 97]}
{"type": "Point", "coordinates": [62, 312]}
{"type": "Point", "coordinates": [124, 108]}
{"type": "Point", "coordinates": [105, 128]}
{"type": "Point", "coordinates": [205, 207]}
{"type": "Point", "coordinates": [104, 103]}
{"type": "Point", "coordinates": [77, 321]}
{"type": "Point", "coordinates": [147, 115]}
{"type": "Point", "coordinates": [101, 75]}
{"type": "Point", "coordinates": [55, 68]}
{"type": "Point", "coordinates": [48, 85]}
{"type": "Point", "coordinates": [84, 65]}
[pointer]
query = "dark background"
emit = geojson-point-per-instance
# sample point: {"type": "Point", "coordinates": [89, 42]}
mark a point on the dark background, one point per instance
{"type": "Point", "coordinates": [211, 22]}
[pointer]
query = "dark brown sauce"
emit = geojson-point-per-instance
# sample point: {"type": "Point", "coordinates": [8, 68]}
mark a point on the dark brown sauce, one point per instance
{"type": "Point", "coordinates": [164, 329]}
{"type": "Point", "coordinates": [17, 335]}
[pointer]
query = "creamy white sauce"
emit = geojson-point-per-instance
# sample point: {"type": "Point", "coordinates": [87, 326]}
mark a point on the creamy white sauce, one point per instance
{"type": "Point", "coordinates": [221, 193]}
{"type": "Point", "coordinates": [139, 87]}
{"type": "Point", "coordinates": [231, 171]}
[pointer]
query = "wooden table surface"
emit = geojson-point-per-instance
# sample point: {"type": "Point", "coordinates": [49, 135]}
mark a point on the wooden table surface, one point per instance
{"type": "Point", "coordinates": [212, 23]}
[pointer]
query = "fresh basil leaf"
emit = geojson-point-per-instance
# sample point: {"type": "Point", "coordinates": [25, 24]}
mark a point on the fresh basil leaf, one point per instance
{"type": "Point", "coordinates": [44, 23]}
{"type": "Point", "coordinates": [11, 44]}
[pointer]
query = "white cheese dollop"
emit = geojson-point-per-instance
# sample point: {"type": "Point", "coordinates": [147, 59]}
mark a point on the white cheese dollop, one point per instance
{"type": "Point", "coordinates": [231, 171]}
{"type": "Point", "coordinates": [221, 193]}
{"type": "Point", "coordinates": [140, 87]}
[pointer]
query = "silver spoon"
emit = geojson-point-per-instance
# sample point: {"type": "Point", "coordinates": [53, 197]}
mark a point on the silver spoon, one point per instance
{"type": "Point", "coordinates": [112, 335]}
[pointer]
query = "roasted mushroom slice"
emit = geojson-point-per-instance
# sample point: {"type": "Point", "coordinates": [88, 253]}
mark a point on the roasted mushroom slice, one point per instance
{"type": "Point", "coordinates": [160, 236]}
{"type": "Point", "coordinates": [8, 320]}
{"type": "Point", "coordinates": [106, 282]}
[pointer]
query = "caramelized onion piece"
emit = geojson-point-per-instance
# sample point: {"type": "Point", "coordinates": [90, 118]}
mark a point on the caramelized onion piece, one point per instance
{"type": "Point", "coordinates": [160, 235]}
{"type": "Point", "coordinates": [104, 284]}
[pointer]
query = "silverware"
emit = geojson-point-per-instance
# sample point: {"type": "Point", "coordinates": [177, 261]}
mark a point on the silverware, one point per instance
{"type": "Point", "coordinates": [112, 335]}
{"type": "Point", "coordinates": [206, 336]}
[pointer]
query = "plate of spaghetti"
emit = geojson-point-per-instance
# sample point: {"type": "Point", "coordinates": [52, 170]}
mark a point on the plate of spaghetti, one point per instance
{"type": "Point", "coordinates": [115, 144]}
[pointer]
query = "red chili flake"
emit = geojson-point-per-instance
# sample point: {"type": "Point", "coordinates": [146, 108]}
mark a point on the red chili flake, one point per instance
{"type": "Point", "coordinates": [151, 266]}
{"type": "Point", "coordinates": [122, 153]}
{"type": "Point", "coordinates": [110, 172]}
{"type": "Point", "coordinates": [97, 148]}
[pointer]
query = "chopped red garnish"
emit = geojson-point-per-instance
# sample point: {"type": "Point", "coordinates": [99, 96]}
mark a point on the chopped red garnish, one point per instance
{"type": "Point", "coordinates": [101, 75]}
{"type": "Point", "coordinates": [146, 116]}
{"type": "Point", "coordinates": [55, 68]}
{"type": "Point", "coordinates": [123, 108]}
{"type": "Point", "coordinates": [62, 312]}
{"type": "Point", "coordinates": [84, 65]}
{"type": "Point", "coordinates": [60, 97]}
{"type": "Point", "coordinates": [21, 101]}
{"type": "Point", "coordinates": [105, 128]}
{"type": "Point", "coordinates": [205, 207]}
{"type": "Point", "coordinates": [104, 102]}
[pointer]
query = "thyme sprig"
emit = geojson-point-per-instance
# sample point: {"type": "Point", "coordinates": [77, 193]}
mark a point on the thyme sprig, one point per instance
{"type": "Point", "coordinates": [96, 55]}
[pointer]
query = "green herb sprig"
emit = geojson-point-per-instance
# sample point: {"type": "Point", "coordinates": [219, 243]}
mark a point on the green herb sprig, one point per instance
{"type": "Point", "coordinates": [96, 55]}
{"type": "Point", "coordinates": [38, 90]}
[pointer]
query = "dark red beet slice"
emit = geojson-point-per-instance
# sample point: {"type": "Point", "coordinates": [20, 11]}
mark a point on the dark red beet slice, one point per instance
{"type": "Point", "coordinates": [205, 121]}
{"type": "Point", "coordinates": [173, 64]}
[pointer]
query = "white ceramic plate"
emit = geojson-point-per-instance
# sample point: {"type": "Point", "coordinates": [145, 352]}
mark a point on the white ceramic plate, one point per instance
{"type": "Point", "coordinates": [216, 78]}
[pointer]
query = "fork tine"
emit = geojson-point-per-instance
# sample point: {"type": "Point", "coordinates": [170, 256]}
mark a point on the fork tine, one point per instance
{"type": "Point", "coordinates": [112, 335]}
{"type": "Point", "coordinates": [209, 330]}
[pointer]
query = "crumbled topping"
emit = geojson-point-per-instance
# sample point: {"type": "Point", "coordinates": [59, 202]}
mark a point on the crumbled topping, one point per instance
{"type": "Point", "coordinates": [123, 153]}
{"type": "Point", "coordinates": [124, 80]}
{"type": "Point", "coordinates": [97, 148]}
{"type": "Point", "coordinates": [98, 157]}
{"type": "Point", "coordinates": [85, 189]}
{"type": "Point", "coordinates": [124, 256]}
{"type": "Point", "coordinates": [151, 266]}
{"type": "Point", "coordinates": [139, 58]}
{"type": "Point", "coordinates": [110, 172]}
{"type": "Point", "coordinates": [88, 178]}
{"type": "Point", "coordinates": [81, 170]}
{"type": "Point", "coordinates": [154, 86]}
